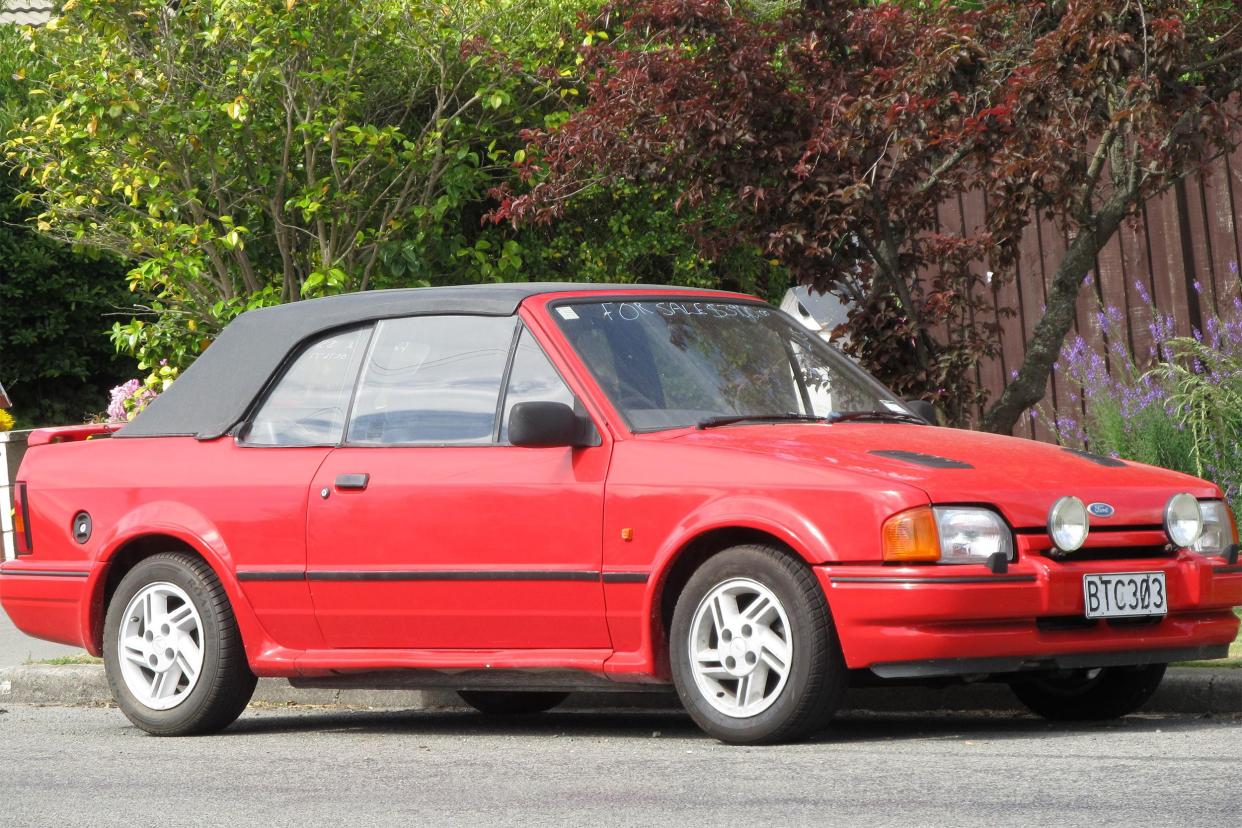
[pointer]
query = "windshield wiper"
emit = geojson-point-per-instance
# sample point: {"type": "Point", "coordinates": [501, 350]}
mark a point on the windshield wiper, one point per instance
{"type": "Point", "coordinates": [874, 416]}
{"type": "Point", "coordinates": [730, 419]}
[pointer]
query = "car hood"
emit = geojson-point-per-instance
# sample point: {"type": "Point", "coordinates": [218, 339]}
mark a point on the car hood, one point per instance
{"type": "Point", "coordinates": [1023, 478]}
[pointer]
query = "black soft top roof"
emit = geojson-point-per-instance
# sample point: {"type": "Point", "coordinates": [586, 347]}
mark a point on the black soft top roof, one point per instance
{"type": "Point", "coordinates": [214, 394]}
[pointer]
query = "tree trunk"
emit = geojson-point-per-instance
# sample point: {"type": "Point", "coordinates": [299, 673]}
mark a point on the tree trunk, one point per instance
{"type": "Point", "coordinates": [1042, 351]}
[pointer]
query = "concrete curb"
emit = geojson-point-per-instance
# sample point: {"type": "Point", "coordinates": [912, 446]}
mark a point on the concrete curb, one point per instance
{"type": "Point", "coordinates": [1186, 690]}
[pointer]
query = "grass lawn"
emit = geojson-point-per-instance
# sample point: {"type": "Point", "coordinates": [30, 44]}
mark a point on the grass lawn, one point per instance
{"type": "Point", "coordinates": [80, 658]}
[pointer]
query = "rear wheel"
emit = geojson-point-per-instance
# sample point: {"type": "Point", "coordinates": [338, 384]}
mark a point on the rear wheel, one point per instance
{"type": "Point", "coordinates": [506, 703]}
{"type": "Point", "coordinates": [1087, 695]}
{"type": "Point", "coordinates": [753, 650]}
{"type": "Point", "coordinates": [172, 652]}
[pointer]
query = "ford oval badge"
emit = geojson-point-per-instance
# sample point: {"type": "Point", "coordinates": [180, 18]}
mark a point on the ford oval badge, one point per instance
{"type": "Point", "coordinates": [1102, 510]}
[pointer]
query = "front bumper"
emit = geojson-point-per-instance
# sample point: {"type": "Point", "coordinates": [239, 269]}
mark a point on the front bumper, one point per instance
{"type": "Point", "coordinates": [926, 621]}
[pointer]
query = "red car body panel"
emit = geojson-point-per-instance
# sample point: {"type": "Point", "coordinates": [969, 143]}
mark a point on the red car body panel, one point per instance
{"type": "Point", "coordinates": [578, 544]}
{"type": "Point", "coordinates": [455, 511]}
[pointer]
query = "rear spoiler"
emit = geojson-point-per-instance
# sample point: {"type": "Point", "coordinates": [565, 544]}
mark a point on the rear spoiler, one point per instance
{"type": "Point", "coordinates": [71, 434]}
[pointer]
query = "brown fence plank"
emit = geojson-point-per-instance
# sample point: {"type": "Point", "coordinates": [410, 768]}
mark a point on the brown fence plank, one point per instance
{"type": "Point", "coordinates": [974, 218]}
{"type": "Point", "coordinates": [1029, 281]}
{"type": "Point", "coordinates": [1113, 297]}
{"type": "Point", "coordinates": [1139, 310]}
{"type": "Point", "coordinates": [1233, 181]}
{"type": "Point", "coordinates": [1168, 265]}
{"type": "Point", "coordinates": [1197, 244]}
{"type": "Point", "coordinates": [1220, 229]}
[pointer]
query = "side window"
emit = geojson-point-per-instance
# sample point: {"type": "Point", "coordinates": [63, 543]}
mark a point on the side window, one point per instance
{"type": "Point", "coordinates": [532, 379]}
{"type": "Point", "coordinates": [432, 379]}
{"type": "Point", "coordinates": [307, 405]}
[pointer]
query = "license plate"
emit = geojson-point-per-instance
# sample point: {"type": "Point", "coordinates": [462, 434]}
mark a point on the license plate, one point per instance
{"type": "Point", "coordinates": [1125, 595]}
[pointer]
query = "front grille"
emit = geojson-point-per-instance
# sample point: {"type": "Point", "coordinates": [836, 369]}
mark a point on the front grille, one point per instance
{"type": "Point", "coordinates": [1111, 553]}
{"type": "Point", "coordinates": [1111, 543]}
{"type": "Point", "coordinates": [1077, 623]}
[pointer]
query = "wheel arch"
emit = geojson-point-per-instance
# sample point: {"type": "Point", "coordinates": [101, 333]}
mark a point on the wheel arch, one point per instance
{"type": "Point", "coordinates": [687, 553]}
{"type": "Point", "coordinates": [124, 553]}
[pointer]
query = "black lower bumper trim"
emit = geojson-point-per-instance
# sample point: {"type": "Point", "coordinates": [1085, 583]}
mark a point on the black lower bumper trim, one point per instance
{"type": "Point", "coordinates": [945, 667]}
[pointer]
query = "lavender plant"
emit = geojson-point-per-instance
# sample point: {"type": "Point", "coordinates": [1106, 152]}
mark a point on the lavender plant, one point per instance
{"type": "Point", "coordinates": [1178, 406]}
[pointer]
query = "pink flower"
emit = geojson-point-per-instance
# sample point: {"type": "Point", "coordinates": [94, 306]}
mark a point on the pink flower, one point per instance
{"type": "Point", "coordinates": [127, 400]}
{"type": "Point", "coordinates": [116, 405]}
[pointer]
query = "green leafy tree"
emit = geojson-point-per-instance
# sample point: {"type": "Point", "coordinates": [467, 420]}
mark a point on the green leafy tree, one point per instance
{"type": "Point", "coordinates": [249, 152]}
{"type": "Point", "coordinates": [55, 360]}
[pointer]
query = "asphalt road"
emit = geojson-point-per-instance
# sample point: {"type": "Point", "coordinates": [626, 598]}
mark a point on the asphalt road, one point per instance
{"type": "Point", "coordinates": [80, 766]}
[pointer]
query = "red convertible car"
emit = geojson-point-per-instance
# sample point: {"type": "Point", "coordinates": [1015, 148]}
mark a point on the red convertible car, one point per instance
{"type": "Point", "coordinates": [518, 491]}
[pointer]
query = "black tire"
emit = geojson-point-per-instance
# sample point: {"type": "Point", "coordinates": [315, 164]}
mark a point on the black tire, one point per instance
{"type": "Point", "coordinates": [511, 703]}
{"type": "Point", "coordinates": [225, 683]}
{"type": "Point", "coordinates": [816, 676]}
{"type": "Point", "coordinates": [1090, 695]}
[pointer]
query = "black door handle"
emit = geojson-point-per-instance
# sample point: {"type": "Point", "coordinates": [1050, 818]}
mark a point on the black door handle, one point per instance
{"type": "Point", "coordinates": [352, 481]}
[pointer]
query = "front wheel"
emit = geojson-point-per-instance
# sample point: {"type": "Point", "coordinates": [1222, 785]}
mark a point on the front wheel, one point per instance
{"type": "Point", "coordinates": [172, 652]}
{"type": "Point", "coordinates": [1090, 695]}
{"type": "Point", "coordinates": [753, 650]}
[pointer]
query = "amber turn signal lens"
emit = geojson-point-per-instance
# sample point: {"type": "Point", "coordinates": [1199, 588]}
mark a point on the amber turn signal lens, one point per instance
{"type": "Point", "coordinates": [911, 536]}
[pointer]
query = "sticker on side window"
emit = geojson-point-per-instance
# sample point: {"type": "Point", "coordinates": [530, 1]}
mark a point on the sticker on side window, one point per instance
{"type": "Point", "coordinates": [567, 313]}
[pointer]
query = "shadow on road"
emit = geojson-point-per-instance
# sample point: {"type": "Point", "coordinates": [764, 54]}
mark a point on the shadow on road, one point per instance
{"type": "Point", "coordinates": [849, 727]}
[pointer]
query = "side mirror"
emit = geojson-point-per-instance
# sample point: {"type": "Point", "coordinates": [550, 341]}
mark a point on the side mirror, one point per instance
{"type": "Point", "coordinates": [924, 409]}
{"type": "Point", "coordinates": [5, 402]}
{"type": "Point", "coordinates": [547, 425]}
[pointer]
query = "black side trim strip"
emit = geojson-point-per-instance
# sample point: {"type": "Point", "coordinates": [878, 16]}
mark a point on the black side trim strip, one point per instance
{"type": "Point", "coordinates": [631, 577]}
{"type": "Point", "coordinates": [953, 579]}
{"type": "Point", "coordinates": [279, 575]}
{"type": "Point", "coordinates": [47, 573]}
{"type": "Point", "coordinates": [931, 461]}
{"type": "Point", "coordinates": [451, 575]}
{"type": "Point", "coordinates": [1225, 570]}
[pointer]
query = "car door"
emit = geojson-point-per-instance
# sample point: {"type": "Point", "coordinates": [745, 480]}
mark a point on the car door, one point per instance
{"type": "Point", "coordinates": [259, 493]}
{"type": "Point", "coordinates": [427, 530]}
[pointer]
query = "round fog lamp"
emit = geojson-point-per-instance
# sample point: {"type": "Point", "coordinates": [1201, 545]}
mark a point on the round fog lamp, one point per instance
{"type": "Point", "coordinates": [1068, 523]}
{"type": "Point", "coordinates": [1183, 519]}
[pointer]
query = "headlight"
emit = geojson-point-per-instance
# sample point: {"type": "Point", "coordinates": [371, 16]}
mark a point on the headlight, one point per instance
{"type": "Point", "coordinates": [970, 535]}
{"type": "Point", "coordinates": [1220, 531]}
{"type": "Point", "coordinates": [1183, 520]}
{"type": "Point", "coordinates": [946, 534]}
{"type": "Point", "coordinates": [1068, 524]}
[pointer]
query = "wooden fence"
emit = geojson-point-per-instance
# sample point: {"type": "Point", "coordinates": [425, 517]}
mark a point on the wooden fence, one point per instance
{"type": "Point", "coordinates": [1180, 260]}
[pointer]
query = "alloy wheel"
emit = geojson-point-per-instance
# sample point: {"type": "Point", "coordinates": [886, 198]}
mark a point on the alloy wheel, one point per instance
{"type": "Point", "coordinates": [160, 646]}
{"type": "Point", "coordinates": [740, 647]}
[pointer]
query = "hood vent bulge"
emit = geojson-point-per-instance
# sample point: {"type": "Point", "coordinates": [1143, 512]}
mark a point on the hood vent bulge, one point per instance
{"type": "Point", "coordinates": [930, 461]}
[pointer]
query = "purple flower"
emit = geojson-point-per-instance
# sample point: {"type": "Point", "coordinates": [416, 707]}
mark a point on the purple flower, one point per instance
{"type": "Point", "coordinates": [127, 400]}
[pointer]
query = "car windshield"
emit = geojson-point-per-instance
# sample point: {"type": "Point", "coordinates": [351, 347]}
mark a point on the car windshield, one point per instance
{"type": "Point", "coordinates": [677, 363]}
